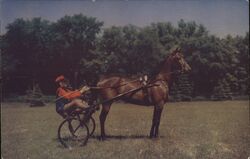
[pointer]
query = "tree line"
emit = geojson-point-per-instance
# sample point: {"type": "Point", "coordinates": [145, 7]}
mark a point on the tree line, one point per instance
{"type": "Point", "coordinates": [34, 52]}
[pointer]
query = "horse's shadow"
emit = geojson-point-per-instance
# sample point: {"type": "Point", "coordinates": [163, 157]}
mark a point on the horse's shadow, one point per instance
{"type": "Point", "coordinates": [124, 137]}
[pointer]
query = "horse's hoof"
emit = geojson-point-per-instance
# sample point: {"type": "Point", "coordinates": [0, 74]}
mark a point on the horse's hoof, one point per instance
{"type": "Point", "coordinates": [153, 136]}
{"type": "Point", "coordinates": [102, 138]}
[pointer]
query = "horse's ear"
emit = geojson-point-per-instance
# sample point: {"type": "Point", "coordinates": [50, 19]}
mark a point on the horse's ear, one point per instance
{"type": "Point", "coordinates": [178, 49]}
{"type": "Point", "coordinates": [175, 51]}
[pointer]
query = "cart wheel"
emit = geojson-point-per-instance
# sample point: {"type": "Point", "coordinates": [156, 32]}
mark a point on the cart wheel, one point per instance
{"type": "Point", "coordinates": [91, 125]}
{"type": "Point", "coordinates": [72, 132]}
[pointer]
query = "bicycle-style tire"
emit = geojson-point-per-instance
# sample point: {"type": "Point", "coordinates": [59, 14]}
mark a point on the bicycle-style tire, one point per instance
{"type": "Point", "coordinates": [73, 132]}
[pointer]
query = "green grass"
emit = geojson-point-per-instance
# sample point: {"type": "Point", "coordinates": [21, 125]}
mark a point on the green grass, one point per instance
{"type": "Point", "coordinates": [192, 130]}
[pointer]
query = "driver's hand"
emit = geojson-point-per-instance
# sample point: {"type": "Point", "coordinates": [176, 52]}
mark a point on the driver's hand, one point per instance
{"type": "Point", "coordinates": [84, 89]}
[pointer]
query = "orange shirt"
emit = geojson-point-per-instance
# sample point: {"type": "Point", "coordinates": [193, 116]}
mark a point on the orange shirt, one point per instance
{"type": "Point", "coordinates": [68, 94]}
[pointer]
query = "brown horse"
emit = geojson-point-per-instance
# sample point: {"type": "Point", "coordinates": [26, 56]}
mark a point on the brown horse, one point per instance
{"type": "Point", "coordinates": [157, 95]}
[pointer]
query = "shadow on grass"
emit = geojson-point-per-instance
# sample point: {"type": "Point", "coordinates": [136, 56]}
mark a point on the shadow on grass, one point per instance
{"type": "Point", "coordinates": [119, 137]}
{"type": "Point", "coordinates": [124, 137]}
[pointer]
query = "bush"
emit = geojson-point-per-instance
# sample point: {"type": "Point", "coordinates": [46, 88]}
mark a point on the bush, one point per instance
{"type": "Point", "coordinates": [34, 96]}
{"type": "Point", "coordinates": [200, 98]}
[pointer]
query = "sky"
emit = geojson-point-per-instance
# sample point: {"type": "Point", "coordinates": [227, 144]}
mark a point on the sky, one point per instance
{"type": "Point", "coordinates": [220, 17]}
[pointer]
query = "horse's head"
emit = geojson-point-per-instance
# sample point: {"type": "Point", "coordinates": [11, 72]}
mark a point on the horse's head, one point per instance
{"type": "Point", "coordinates": [178, 61]}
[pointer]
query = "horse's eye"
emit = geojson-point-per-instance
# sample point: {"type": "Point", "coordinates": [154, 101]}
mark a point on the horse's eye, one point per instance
{"type": "Point", "coordinates": [178, 57]}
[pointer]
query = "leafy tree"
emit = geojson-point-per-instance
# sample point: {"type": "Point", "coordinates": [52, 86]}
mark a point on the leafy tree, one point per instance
{"type": "Point", "coordinates": [129, 49]}
{"type": "Point", "coordinates": [8, 63]}
{"type": "Point", "coordinates": [112, 47]}
{"type": "Point", "coordinates": [35, 51]}
{"type": "Point", "coordinates": [26, 43]}
{"type": "Point", "coordinates": [74, 40]}
{"type": "Point", "coordinates": [241, 71]}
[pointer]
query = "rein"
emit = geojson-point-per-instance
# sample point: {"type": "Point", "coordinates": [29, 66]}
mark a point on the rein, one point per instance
{"type": "Point", "coordinates": [66, 95]}
{"type": "Point", "coordinates": [96, 88]}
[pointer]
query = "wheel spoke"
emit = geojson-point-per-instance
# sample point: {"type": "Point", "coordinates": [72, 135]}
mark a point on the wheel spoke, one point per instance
{"type": "Point", "coordinates": [77, 128]}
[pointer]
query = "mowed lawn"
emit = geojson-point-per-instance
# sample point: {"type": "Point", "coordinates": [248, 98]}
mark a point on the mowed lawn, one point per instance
{"type": "Point", "coordinates": [195, 130]}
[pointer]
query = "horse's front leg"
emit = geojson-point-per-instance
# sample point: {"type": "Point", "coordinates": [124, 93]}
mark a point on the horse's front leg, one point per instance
{"type": "Point", "coordinates": [156, 121]}
{"type": "Point", "coordinates": [102, 117]}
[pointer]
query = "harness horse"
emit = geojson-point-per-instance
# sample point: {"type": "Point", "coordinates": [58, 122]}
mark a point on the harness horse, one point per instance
{"type": "Point", "coordinates": [155, 93]}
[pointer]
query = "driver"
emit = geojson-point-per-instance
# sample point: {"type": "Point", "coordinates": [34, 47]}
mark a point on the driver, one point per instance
{"type": "Point", "coordinates": [67, 98]}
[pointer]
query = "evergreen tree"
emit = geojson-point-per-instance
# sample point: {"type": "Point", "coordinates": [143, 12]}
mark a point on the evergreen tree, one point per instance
{"type": "Point", "coordinates": [222, 91]}
{"type": "Point", "coordinates": [174, 93]}
{"type": "Point", "coordinates": [182, 89]}
{"type": "Point", "coordinates": [34, 96]}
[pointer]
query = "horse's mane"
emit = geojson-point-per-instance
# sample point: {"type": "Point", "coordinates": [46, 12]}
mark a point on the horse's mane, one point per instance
{"type": "Point", "coordinates": [157, 69]}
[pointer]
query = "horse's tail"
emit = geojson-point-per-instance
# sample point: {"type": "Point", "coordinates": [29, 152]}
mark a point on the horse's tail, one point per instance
{"type": "Point", "coordinates": [93, 97]}
{"type": "Point", "coordinates": [95, 92]}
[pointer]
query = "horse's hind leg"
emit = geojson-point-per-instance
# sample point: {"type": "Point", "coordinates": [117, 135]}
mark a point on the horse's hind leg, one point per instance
{"type": "Point", "coordinates": [153, 124]}
{"type": "Point", "coordinates": [102, 117]}
{"type": "Point", "coordinates": [158, 120]}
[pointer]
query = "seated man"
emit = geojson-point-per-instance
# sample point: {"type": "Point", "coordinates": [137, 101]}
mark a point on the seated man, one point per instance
{"type": "Point", "coordinates": [66, 98]}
